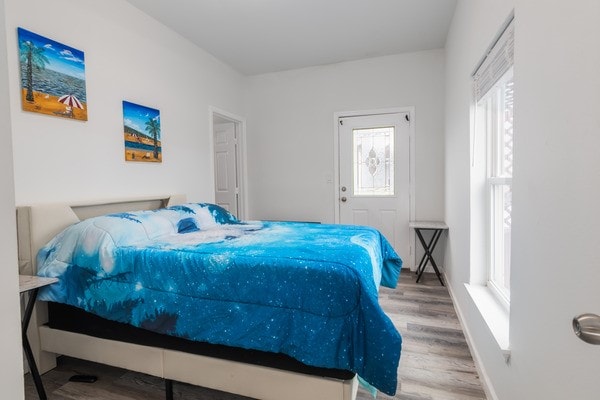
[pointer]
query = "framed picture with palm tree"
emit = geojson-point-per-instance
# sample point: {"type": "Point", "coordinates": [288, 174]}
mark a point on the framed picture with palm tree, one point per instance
{"type": "Point", "coordinates": [141, 127]}
{"type": "Point", "coordinates": [52, 77]}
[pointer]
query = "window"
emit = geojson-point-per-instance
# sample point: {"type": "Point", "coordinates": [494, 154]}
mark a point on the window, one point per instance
{"type": "Point", "coordinates": [494, 96]}
{"type": "Point", "coordinates": [373, 161]}
{"type": "Point", "coordinates": [496, 108]}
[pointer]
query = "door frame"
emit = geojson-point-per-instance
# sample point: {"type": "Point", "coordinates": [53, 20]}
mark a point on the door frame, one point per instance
{"type": "Point", "coordinates": [240, 125]}
{"type": "Point", "coordinates": [410, 110]}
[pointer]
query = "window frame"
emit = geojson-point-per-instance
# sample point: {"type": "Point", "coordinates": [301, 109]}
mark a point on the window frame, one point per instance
{"type": "Point", "coordinates": [492, 104]}
{"type": "Point", "coordinates": [493, 305]}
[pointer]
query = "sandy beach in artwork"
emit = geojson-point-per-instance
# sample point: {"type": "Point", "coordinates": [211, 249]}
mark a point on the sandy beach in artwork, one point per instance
{"type": "Point", "coordinates": [47, 104]}
{"type": "Point", "coordinates": [138, 154]}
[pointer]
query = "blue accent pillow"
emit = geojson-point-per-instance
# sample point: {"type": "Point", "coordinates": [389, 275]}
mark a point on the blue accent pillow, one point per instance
{"type": "Point", "coordinates": [187, 225]}
{"type": "Point", "coordinates": [221, 215]}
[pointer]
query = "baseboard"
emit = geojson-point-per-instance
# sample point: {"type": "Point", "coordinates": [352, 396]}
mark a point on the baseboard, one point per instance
{"type": "Point", "coordinates": [488, 388]}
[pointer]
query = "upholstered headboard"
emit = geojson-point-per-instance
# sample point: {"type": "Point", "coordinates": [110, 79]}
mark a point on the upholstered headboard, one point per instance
{"type": "Point", "coordinates": [38, 223]}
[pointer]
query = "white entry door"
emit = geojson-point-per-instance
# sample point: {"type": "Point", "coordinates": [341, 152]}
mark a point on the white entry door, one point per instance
{"type": "Point", "coordinates": [374, 175]}
{"type": "Point", "coordinates": [226, 166]}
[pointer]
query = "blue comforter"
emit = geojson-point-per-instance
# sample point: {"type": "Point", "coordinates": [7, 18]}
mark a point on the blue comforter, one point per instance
{"type": "Point", "coordinates": [195, 271]}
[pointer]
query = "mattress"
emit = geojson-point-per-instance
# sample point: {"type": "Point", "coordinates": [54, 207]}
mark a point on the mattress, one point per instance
{"type": "Point", "coordinates": [73, 319]}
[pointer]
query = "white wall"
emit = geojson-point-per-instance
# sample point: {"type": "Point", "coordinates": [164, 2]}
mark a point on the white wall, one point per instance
{"type": "Point", "coordinates": [556, 194]}
{"type": "Point", "coordinates": [290, 130]}
{"type": "Point", "coordinates": [11, 373]}
{"type": "Point", "coordinates": [474, 25]}
{"type": "Point", "coordinates": [129, 56]}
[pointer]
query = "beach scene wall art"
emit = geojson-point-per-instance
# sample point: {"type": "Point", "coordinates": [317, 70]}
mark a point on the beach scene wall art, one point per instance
{"type": "Point", "coordinates": [141, 127]}
{"type": "Point", "coordinates": [52, 77]}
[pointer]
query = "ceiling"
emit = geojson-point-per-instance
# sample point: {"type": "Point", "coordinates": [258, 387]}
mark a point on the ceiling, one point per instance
{"type": "Point", "coordinates": [260, 36]}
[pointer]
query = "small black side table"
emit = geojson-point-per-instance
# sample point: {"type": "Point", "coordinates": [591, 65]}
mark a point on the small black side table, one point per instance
{"type": "Point", "coordinates": [32, 284]}
{"type": "Point", "coordinates": [437, 228]}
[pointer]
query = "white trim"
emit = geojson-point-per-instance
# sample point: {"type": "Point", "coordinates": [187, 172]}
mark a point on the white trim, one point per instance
{"type": "Point", "coordinates": [500, 180]}
{"type": "Point", "coordinates": [495, 315]}
{"type": "Point", "coordinates": [243, 173]}
{"type": "Point", "coordinates": [500, 295]}
{"type": "Point", "coordinates": [486, 382]}
{"type": "Point", "coordinates": [410, 110]}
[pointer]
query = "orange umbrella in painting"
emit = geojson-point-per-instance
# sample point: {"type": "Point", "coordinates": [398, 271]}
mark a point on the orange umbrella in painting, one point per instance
{"type": "Point", "coordinates": [71, 101]}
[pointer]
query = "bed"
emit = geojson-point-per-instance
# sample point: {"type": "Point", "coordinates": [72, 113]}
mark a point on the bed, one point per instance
{"type": "Point", "coordinates": [37, 224]}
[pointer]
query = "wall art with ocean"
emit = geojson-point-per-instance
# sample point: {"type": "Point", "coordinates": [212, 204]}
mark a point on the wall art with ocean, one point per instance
{"type": "Point", "coordinates": [52, 77]}
{"type": "Point", "coordinates": [141, 129]}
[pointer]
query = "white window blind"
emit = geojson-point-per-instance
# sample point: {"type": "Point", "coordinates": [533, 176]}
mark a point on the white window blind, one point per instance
{"type": "Point", "coordinates": [498, 59]}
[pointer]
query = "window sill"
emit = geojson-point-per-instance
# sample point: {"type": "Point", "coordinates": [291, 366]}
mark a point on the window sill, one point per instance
{"type": "Point", "coordinates": [494, 314]}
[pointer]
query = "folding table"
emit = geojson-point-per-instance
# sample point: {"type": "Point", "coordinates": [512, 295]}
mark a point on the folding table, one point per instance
{"type": "Point", "coordinates": [437, 227]}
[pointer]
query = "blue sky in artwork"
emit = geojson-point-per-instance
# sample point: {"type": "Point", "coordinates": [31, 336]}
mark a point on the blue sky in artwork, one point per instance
{"type": "Point", "coordinates": [135, 116]}
{"type": "Point", "coordinates": [63, 59]}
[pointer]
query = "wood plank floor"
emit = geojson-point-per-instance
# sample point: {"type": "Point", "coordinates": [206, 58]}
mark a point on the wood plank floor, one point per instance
{"type": "Point", "coordinates": [435, 364]}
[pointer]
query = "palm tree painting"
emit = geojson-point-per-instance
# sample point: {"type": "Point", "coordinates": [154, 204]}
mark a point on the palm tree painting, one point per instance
{"type": "Point", "coordinates": [153, 128]}
{"type": "Point", "coordinates": [33, 57]}
{"type": "Point", "coordinates": [51, 71]}
{"type": "Point", "coordinates": [142, 134]}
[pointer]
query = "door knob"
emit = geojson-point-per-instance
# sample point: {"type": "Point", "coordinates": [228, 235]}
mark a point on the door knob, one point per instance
{"type": "Point", "coordinates": [587, 328]}
{"type": "Point", "coordinates": [343, 188]}
{"type": "Point", "coordinates": [343, 199]}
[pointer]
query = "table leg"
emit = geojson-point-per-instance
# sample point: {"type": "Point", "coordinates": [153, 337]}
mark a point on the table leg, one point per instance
{"type": "Point", "coordinates": [168, 389]}
{"type": "Point", "coordinates": [37, 380]}
{"type": "Point", "coordinates": [433, 264]}
{"type": "Point", "coordinates": [426, 246]}
{"type": "Point", "coordinates": [428, 256]}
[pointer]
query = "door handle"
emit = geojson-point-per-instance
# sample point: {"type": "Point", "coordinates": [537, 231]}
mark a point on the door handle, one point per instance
{"type": "Point", "coordinates": [587, 328]}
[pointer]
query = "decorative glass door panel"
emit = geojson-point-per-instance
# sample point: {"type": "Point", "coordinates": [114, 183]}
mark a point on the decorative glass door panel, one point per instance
{"type": "Point", "coordinates": [373, 167]}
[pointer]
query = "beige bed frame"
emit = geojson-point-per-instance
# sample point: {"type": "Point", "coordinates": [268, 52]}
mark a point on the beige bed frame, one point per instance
{"type": "Point", "coordinates": [37, 224]}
